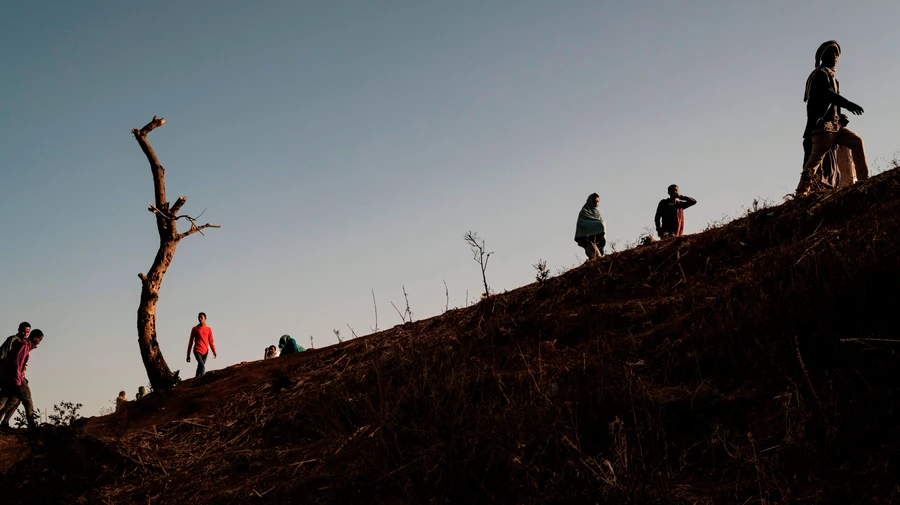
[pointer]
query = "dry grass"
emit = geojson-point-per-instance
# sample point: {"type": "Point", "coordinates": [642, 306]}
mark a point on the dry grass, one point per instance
{"type": "Point", "coordinates": [751, 363]}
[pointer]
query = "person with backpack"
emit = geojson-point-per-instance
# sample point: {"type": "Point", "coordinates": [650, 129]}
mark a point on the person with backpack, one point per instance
{"type": "Point", "coordinates": [13, 382]}
{"type": "Point", "coordinates": [825, 125]}
{"type": "Point", "coordinates": [12, 402]}
{"type": "Point", "coordinates": [24, 330]}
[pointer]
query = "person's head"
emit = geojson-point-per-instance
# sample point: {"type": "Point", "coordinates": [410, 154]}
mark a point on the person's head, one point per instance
{"type": "Point", "coordinates": [828, 54]}
{"type": "Point", "coordinates": [283, 341]}
{"type": "Point", "coordinates": [36, 337]}
{"type": "Point", "coordinates": [201, 317]}
{"type": "Point", "coordinates": [594, 200]}
{"type": "Point", "coordinates": [24, 329]}
{"type": "Point", "coordinates": [673, 190]}
{"type": "Point", "coordinates": [142, 390]}
{"type": "Point", "coordinates": [121, 394]}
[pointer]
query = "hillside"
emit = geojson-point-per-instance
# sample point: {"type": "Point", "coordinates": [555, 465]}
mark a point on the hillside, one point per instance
{"type": "Point", "coordinates": [745, 364]}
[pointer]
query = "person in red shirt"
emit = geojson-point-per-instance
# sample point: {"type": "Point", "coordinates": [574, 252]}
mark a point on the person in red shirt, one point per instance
{"type": "Point", "coordinates": [12, 377]}
{"type": "Point", "coordinates": [670, 213]}
{"type": "Point", "coordinates": [201, 342]}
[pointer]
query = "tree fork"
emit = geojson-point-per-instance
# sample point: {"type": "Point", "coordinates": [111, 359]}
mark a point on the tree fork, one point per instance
{"type": "Point", "coordinates": [158, 371]}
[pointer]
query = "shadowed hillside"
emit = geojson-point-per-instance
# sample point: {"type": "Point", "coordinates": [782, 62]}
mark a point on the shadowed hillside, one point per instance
{"type": "Point", "coordinates": [745, 364]}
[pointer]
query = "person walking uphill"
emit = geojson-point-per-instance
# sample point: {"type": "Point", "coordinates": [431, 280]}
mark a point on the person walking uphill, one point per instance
{"type": "Point", "coordinates": [201, 342]}
{"type": "Point", "coordinates": [825, 123]}
{"type": "Point", "coordinates": [12, 378]}
{"type": "Point", "coordinates": [24, 330]}
{"type": "Point", "coordinates": [590, 230]}
{"type": "Point", "coordinates": [669, 217]}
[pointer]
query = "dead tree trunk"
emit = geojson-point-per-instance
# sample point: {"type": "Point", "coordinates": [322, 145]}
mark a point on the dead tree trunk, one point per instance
{"type": "Point", "coordinates": [161, 377]}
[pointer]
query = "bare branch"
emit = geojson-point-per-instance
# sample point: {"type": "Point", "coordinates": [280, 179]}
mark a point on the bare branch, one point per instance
{"type": "Point", "coordinates": [194, 229]}
{"type": "Point", "coordinates": [352, 332]}
{"type": "Point", "coordinates": [402, 316]}
{"type": "Point", "coordinates": [406, 297]}
{"type": "Point", "coordinates": [173, 210]}
{"type": "Point", "coordinates": [149, 127]}
{"type": "Point", "coordinates": [446, 296]}
{"type": "Point", "coordinates": [375, 329]}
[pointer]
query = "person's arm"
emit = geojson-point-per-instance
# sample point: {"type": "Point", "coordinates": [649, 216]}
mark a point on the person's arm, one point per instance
{"type": "Point", "coordinates": [685, 202]}
{"type": "Point", "coordinates": [657, 220]}
{"type": "Point", "coordinates": [191, 343]}
{"type": "Point", "coordinates": [826, 88]}
{"type": "Point", "coordinates": [212, 344]}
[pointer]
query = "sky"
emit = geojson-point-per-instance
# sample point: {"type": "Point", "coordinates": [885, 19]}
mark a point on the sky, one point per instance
{"type": "Point", "coordinates": [346, 147]}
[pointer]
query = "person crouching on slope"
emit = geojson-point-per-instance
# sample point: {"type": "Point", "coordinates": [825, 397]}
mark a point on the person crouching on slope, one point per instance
{"type": "Point", "coordinates": [669, 218]}
{"type": "Point", "coordinates": [590, 230]}
{"type": "Point", "coordinates": [288, 345]}
{"type": "Point", "coordinates": [201, 341]}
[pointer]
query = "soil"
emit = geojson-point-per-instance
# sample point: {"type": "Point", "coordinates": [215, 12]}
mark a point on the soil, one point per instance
{"type": "Point", "coordinates": [750, 363]}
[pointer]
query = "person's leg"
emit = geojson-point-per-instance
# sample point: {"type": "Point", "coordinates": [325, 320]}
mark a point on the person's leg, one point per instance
{"type": "Point", "coordinates": [853, 142]}
{"type": "Point", "coordinates": [201, 363]}
{"type": "Point", "coordinates": [822, 143]}
{"type": "Point", "coordinates": [585, 244]}
{"type": "Point", "coordinates": [23, 393]}
{"type": "Point", "coordinates": [9, 411]}
{"type": "Point", "coordinates": [9, 404]}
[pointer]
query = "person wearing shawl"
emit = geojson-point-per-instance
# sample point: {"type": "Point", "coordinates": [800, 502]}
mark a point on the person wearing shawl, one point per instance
{"type": "Point", "coordinates": [288, 345]}
{"type": "Point", "coordinates": [825, 123]}
{"type": "Point", "coordinates": [271, 352]}
{"type": "Point", "coordinates": [590, 230]}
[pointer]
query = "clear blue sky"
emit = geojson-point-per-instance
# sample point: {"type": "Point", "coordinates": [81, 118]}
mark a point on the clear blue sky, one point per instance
{"type": "Point", "coordinates": [346, 147]}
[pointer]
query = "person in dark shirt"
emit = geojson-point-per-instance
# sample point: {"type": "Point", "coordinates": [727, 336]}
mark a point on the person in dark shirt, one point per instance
{"type": "Point", "coordinates": [825, 125]}
{"type": "Point", "coordinates": [13, 381]}
{"type": "Point", "coordinates": [670, 213]}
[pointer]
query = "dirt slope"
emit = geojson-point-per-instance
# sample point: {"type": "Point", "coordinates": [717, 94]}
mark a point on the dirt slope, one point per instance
{"type": "Point", "coordinates": [745, 364]}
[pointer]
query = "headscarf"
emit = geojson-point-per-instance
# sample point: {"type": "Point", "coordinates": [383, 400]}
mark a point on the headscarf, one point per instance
{"type": "Point", "coordinates": [819, 53]}
{"type": "Point", "coordinates": [288, 345]}
{"type": "Point", "coordinates": [589, 220]}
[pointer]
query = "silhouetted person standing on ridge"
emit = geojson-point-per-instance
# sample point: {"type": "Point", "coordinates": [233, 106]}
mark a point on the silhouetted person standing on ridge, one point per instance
{"type": "Point", "coordinates": [201, 342]}
{"type": "Point", "coordinates": [669, 217]}
{"type": "Point", "coordinates": [824, 124]}
{"type": "Point", "coordinates": [590, 229]}
{"type": "Point", "coordinates": [12, 378]}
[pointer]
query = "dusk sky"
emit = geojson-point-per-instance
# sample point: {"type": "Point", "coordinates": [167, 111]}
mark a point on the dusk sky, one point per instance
{"type": "Point", "coordinates": [347, 147]}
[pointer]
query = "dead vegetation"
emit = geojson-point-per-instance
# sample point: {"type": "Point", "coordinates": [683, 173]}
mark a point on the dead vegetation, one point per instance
{"type": "Point", "coordinates": [751, 363]}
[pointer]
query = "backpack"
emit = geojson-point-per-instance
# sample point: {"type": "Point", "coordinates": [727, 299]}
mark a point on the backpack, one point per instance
{"type": "Point", "coordinates": [7, 345]}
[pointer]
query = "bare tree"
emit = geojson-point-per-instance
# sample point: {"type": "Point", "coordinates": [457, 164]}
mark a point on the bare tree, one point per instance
{"type": "Point", "coordinates": [479, 254]}
{"type": "Point", "coordinates": [158, 372]}
{"type": "Point", "coordinates": [337, 333]}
